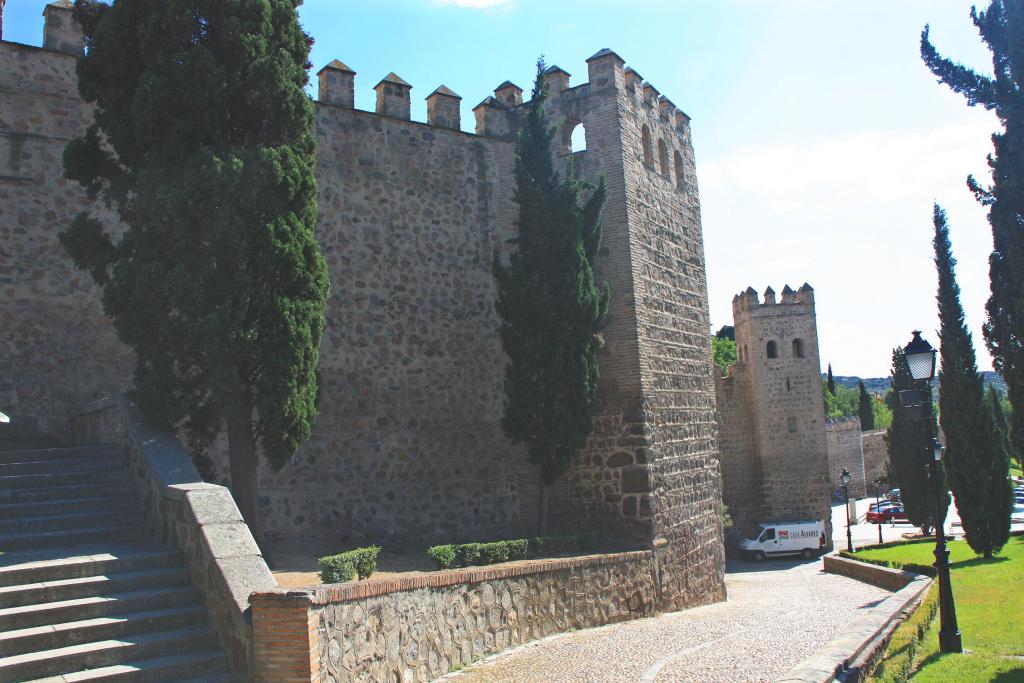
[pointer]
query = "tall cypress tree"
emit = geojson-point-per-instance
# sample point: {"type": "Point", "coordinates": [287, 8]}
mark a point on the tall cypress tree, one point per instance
{"type": "Point", "coordinates": [1002, 28]}
{"type": "Point", "coordinates": [831, 383]}
{"type": "Point", "coordinates": [909, 438]}
{"type": "Point", "coordinates": [975, 461]}
{"type": "Point", "coordinates": [865, 409]}
{"type": "Point", "coordinates": [550, 306]}
{"type": "Point", "coordinates": [203, 143]}
{"type": "Point", "coordinates": [1002, 427]}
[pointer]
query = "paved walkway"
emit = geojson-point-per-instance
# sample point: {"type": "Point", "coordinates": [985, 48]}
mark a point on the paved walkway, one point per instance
{"type": "Point", "coordinates": [778, 612]}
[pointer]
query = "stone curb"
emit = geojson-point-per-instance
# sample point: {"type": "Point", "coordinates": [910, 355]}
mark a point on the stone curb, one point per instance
{"type": "Point", "coordinates": [357, 590]}
{"type": "Point", "coordinates": [847, 657]}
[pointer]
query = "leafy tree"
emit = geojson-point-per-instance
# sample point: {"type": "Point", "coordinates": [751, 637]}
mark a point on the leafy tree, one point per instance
{"type": "Point", "coordinates": [865, 409]}
{"type": "Point", "coordinates": [1002, 28]}
{"type": "Point", "coordinates": [881, 413]}
{"type": "Point", "coordinates": [843, 403]}
{"type": "Point", "coordinates": [723, 352]}
{"type": "Point", "coordinates": [726, 332]}
{"type": "Point", "coordinates": [976, 462]}
{"type": "Point", "coordinates": [910, 448]}
{"type": "Point", "coordinates": [996, 405]}
{"type": "Point", "coordinates": [831, 384]}
{"type": "Point", "coordinates": [550, 306]}
{"type": "Point", "coordinates": [203, 142]}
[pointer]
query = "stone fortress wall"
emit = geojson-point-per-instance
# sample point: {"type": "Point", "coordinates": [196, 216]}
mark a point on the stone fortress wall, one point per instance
{"type": "Point", "coordinates": [771, 414]}
{"type": "Point", "coordinates": [843, 438]}
{"type": "Point", "coordinates": [408, 446]}
{"type": "Point", "coordinates": [876, 457]}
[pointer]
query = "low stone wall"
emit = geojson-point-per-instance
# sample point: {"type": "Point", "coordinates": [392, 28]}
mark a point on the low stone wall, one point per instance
{"type": "Point", "coordinates": [876, 575]}
{"type": "Point", "coordinates": [225, 564]}
{"type": "Point", "coordinates": [415, 628]}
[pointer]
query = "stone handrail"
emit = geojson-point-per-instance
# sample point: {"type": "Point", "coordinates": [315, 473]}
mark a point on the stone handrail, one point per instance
{"type": "Point", "coordinates": [200, 519]}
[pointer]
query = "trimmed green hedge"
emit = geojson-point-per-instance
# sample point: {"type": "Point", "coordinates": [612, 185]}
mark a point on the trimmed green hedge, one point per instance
{"type": "Point", "coordinates": [361, 562]}
{"type": "Point", "coordinates": [476, 554]}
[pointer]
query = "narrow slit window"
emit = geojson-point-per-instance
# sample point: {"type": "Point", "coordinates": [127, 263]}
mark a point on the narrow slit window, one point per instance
{"type": "Point", "coordinates": [773, 349]}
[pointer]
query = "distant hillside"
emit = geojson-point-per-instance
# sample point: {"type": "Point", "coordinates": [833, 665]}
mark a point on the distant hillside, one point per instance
{"type": "Point", "coordinates": [880, 385]}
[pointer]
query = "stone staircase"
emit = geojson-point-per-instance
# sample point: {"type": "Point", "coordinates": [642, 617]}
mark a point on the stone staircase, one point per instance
{"type": "Point", "coordinates": [84, 594]}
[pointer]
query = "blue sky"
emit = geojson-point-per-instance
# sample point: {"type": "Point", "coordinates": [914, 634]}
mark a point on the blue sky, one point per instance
{"type": "Point", "coordinates": [821, 138]}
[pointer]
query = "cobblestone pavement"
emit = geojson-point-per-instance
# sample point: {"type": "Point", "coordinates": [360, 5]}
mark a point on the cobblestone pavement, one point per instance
{"type": "Point", "coordinates": [777, 614]}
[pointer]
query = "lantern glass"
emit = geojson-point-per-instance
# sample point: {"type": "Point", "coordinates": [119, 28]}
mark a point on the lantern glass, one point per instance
{"type": "Point", "coordinates": [937, 449]}
{"type": "Point", "coordinates": [920, 357]}
{"type": "Point", "coordinates": [845, 477]}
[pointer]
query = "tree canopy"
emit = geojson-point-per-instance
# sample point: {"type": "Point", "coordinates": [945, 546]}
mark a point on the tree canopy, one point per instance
{"type": "Point", "coordinates": [1001, 27]}
{"type": "Point", "coordinates": [203, 143]}
{"type": "Point", "coordinates": [551, 307]}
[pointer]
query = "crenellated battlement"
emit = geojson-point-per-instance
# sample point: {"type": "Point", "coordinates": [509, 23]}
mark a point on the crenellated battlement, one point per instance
{"type": "Point", "coordinates": [496, 114]}
{"type": "Point", "coordinates": [748, 301]}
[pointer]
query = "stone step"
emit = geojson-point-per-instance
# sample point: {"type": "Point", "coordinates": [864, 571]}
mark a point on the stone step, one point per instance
{"type": "Point", "coordinates": [179, 668]}
{"type": "Point", "coordinates": [91, 586]}
{"type": "Point", "coordinates": [77, 520]}
{"type": "Point", "coordinates": [12, 482]}
{"type": "Point", "coordinates": [97, 606]}
{"type": "Point", "coordinates": [108, 653]}
{"type": "Point", "coordinates": [74, 537]}
{"type": "Point", "coordinates": [36, 454]}
{"type": "Point", "coordinates": [53, 564]}
{"type": "Point", "coordinates": [69, 506]}
{"type": "Point", "coordinates": [84, 464]}
{"type": "Point", "coordinates": [49, 637]}
{"type": "Point", "coordinates": [10, 441]}
{"type": "Point", "coordinates": [72, 491]}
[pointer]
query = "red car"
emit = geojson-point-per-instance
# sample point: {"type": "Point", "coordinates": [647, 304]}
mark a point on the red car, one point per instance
{"type": "Point", "coordinates": [879, 513]}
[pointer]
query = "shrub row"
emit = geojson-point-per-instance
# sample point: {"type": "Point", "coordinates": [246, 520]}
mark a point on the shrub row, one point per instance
{"type": "Point", "coordinates": [898, 663]}
{"type": "Point", "coordinates": [475, 554]}
{"type": "Point", "coordinates": [361, 562]}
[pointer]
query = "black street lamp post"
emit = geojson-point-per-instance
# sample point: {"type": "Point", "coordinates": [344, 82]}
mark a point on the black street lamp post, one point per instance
{"type": "Point", "coordinates": [920, 358]}
{"type": "Point", "coordinates": [845, 478]}
{"type": "Point", "coordinates": [878, 506]}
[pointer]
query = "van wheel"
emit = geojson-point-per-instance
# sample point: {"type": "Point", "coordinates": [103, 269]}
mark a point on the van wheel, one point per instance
{"type": "Point", "coordinates": [759, 556]}
{"type": "Point", "coordinates": [807, 553]}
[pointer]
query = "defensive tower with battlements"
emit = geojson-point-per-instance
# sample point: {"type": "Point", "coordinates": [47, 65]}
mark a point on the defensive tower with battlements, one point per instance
{"type": "Point", "coordinates": [772, 416]}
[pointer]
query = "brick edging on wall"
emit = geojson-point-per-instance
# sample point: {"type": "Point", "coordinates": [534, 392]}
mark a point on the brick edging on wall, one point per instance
{"type": "Point", "coordinates": [358, 590]}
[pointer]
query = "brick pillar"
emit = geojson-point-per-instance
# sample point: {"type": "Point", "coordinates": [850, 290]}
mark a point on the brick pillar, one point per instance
{"type": "Point", "coordinates": [286, 643]}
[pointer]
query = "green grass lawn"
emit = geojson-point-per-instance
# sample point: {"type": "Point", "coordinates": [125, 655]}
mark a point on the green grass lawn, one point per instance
{"type": "Point", "coordinates": [989, 598]}
{"type": "Point", "coordinates": [1015, 470]}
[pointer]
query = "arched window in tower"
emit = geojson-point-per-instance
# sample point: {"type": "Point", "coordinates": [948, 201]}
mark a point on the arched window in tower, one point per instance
{"type": "Point", "coordinates": [645, 142]}
{"type": "Point", "coordinates": [663, 157]}
{"type": "Point", "coordinates": [680, 173]}
{"type": "Point", "coordinates": [578, 139]}
{"type": "Point", "coordinates": [798, 348]}
{"type": "Point", "coordinates": [773, 349]}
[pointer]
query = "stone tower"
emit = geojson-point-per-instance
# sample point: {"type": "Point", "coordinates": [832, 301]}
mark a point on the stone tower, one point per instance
{"type": "Point", "coordinates": [774, 452]}
{"type": "Point", "coordinates": [651, 471]}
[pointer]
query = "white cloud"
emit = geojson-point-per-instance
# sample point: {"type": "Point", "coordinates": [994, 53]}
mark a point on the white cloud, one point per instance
{"type": "Point", "coordinates": [851, 215]}
{"type": "Point", "coordinates": [474, 4]}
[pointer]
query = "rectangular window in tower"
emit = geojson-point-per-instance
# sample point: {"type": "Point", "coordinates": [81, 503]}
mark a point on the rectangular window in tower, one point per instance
{"type": "Point", "coordinates": [791, 424]}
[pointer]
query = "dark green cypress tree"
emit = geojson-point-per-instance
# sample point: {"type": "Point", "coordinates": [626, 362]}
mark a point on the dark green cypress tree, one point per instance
{"type": "Point", "coordinates": [831, 383]}
{"type": "Point", "coordinates": [550, 306]}
{"type": "Point", "coordinates": [976, 464]}
{"type": "Point", "coordinates": [203, 142]}
{"type": "Point", "coordinates": [1002, 28]}
{"type": "Point", "coordinates": [865, 409]}
{"type": "Point", "coordinates": [909, 438]}
{"type": "Point", "coordinates": [1002, 426]}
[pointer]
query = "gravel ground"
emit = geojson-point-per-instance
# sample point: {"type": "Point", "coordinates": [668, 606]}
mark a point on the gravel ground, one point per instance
{"type": "Point", "coordinates": [777, 614]}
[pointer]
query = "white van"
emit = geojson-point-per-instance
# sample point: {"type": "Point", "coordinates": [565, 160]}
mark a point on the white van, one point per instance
{"type": "Point", "coordinates": [802, 537]}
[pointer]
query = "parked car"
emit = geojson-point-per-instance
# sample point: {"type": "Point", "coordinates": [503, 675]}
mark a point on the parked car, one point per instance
{"type": "Point", "coordinates": [886, 513]}
{"type": "Point", "coordinates": [802, 537]}
{"type": "Point", "coordinates": [894, 495]}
